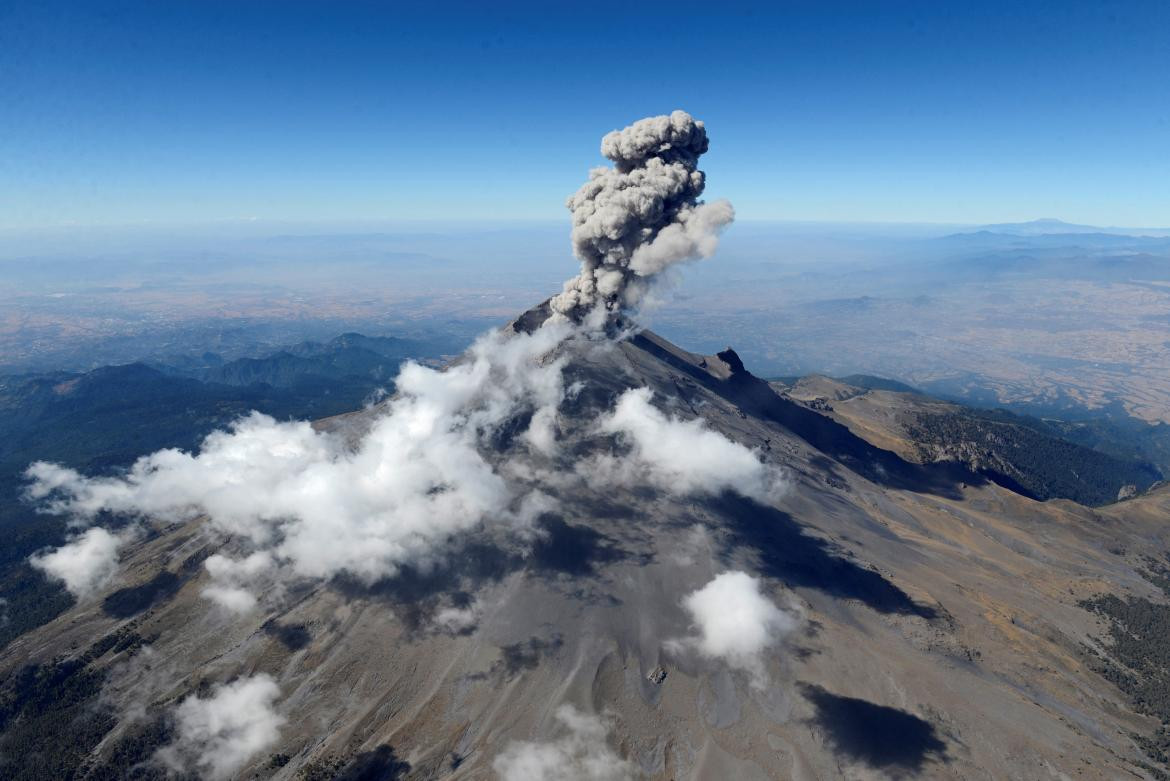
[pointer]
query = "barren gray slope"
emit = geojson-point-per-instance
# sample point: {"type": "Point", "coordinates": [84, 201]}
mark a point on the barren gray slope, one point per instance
{"type": "Point", "coordinates": [941, 636]}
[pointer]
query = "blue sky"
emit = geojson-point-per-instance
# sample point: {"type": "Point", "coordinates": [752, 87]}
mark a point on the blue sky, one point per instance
{"type": "Point", "coordinates": [193, 112]}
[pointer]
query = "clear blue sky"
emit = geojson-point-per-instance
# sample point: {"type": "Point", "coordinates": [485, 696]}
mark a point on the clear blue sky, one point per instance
{"type": "Point", "coordinates": [189, 112]}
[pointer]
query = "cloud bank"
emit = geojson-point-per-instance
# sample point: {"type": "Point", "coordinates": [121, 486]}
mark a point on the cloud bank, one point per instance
{"type": "Point", "coordinates": [684, 456]}
{"type": "Point", "coordinates": [735, 622]}
{"type": "Point", "coordinates": [582, 754]}
{"type": "Point", "coordinates": [635, 220]}
{"type": "Point", "coordinates": [309, 504]}
{"type": "Point", "coordinates": [218, 735]}
{"type": "Point", "coordinates": [319, 506]}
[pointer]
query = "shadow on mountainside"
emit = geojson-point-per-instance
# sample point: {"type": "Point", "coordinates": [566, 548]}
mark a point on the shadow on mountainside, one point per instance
{"type": "Point", "coordinates": [130, 601]}
{"type": "Point", "coordinates": [877, 735]}
{"type": "Point", "coordinates": [293, 637]}
{"type": "Point", "coordinates": [416, 592]}
{"type": "Point", "coordinates": [381, 764]}
{"type": "Point", "coordinates": [785, 552]}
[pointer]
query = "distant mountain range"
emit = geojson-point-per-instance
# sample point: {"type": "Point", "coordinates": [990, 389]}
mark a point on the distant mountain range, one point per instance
{"type": "Point", "coordinates": [1048, 248]}
{"type": "Point", "coordinates": [1048, 226]}
{"type": "Point", "coordinates": [349, 357]}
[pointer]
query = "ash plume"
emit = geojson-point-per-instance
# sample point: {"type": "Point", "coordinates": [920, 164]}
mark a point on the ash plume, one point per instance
{"type": "Point", "coordinates": [633, 221]}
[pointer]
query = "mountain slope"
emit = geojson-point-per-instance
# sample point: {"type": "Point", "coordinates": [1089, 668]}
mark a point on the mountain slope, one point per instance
{"type": "Point", "coordinates": [1028, 455]}
{"type": "Point", "coordinates": [940, 632]}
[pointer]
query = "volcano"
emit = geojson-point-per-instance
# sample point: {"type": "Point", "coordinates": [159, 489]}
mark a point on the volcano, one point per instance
{"type": "Point", "coordinates": [580, 552]}
{"type": "Point", "coordinates": [900, 619]}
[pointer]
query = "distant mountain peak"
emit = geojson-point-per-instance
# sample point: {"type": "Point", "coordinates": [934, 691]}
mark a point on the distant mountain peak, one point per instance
{"type": "Point", "coordinates": [1041, 226]}
{"type": "Point", "coordinates": [1052, 225]}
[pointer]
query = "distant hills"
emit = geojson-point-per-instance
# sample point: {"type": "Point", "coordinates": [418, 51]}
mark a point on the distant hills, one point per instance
{"type": "Point", "coordinates": [1049, 226]}
{"type": "Point", "coordinates": [1048, 248]}
{"type": "Point", "coordinates": [350, 357]}
{"type": "Point", "coordinates": [1043, 226]}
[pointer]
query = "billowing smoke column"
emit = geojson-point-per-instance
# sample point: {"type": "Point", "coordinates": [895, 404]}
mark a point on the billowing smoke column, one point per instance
{"type": "Point", "coordinates": [633, 221]}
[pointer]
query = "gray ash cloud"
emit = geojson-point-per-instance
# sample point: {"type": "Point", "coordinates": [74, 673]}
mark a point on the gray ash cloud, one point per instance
{"type": "Point", "coordinates": [635, 220]}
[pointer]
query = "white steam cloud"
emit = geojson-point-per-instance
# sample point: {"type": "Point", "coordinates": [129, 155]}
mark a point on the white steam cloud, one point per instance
{"type": "Point", "coordinates": [456, 619]}
{"type": "Point", "coordinates": [233, 577]}
{"type": "Point", "coordinates": [218, 735]}
{"type": "Point", "coordinates": [85, 563]}
{"type": "Point", "coordinates": [582, 754]}
{"type": "Point", "coordinates": [736, 623]}
{"type": "Point", "coordinates": [684, 456]}
{"type": "Point", "coordinates": [633, 221]}
{"type": "Point", "coordinates": [317, 505]}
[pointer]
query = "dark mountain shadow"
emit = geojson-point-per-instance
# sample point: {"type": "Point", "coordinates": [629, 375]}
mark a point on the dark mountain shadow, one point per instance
{"type": "Point", "coordinates": [565, 549]}
{"type": "Point", "coordinates": [381, 764]}
{"type": "Point", "coordinates": [755, 397]}
{"type": "Point", "coordinates": [130, 601]}
{"type": "Point", "coordinates": [789, 555]}
{"type": "Point", "coordinates": [1010, 483]}
{"type": "Point", "coordinates": [417, 592]}
{"type": "Point", "coordinates": [879, 736]}
{"type": "Point", "coordinates": [294, 637]}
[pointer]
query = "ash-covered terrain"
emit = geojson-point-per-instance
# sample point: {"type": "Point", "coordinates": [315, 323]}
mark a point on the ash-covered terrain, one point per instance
{"type": "Point", "coordinates": [582, 552]}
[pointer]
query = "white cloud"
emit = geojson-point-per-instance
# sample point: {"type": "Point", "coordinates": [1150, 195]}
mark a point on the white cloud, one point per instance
{"type": "Point", "coordinates": [456, 619]}
{"type": "Point", "coordinates": [580, 755]}
{"type": "Point", "coordinates": [541, 433]}
{"type": "Point", "coordinates": [320, 506]}
{"type": "Point", "coordinates": [85, 563]}
{"type": "Point", "coordinates": [218, 735]}
{"type": "Point", "coordinates": [736, 623]}
{"type": "Point", "coordinates": [233, 577]}
{"type": "Point", "coordinates": [236, 599]}
{"type": "Point", "coordinates": [683, 456]}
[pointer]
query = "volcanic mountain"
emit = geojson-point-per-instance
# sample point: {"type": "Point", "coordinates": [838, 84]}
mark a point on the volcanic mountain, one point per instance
{"type": "Point", "coordinates": [851, 613]}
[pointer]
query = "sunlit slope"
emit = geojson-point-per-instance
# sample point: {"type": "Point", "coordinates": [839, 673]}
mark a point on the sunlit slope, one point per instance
{"type": "Point", "coordinates": [939, 629]}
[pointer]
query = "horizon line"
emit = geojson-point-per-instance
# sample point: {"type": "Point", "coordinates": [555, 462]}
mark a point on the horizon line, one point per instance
{"type": "Point", "coordinates": [503, 222]}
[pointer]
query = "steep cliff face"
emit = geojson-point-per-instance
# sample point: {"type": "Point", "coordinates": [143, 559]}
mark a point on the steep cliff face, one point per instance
{"type": "Point", "coordinates": [914, 619]}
